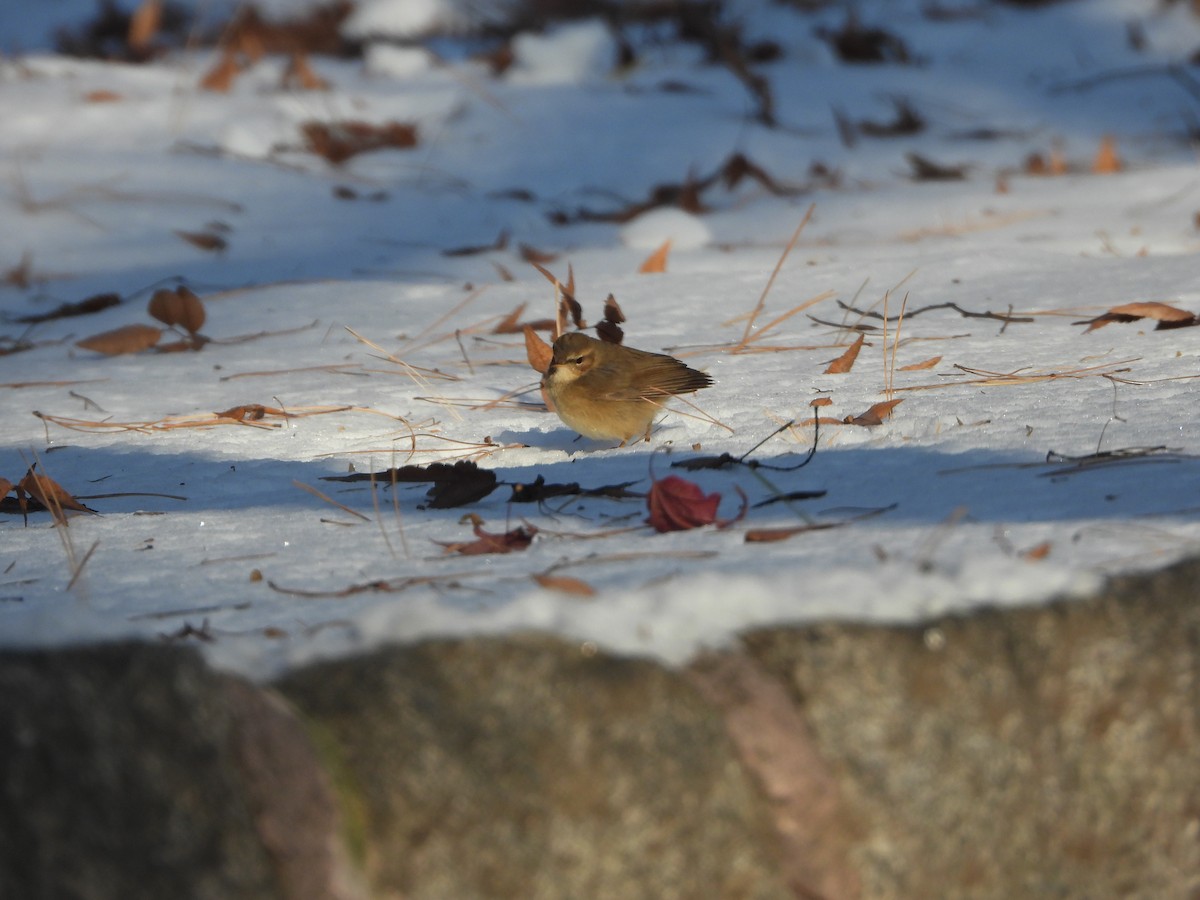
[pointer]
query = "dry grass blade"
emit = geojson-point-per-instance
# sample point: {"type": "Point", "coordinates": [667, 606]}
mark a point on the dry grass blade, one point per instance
{"type": "Point", "coordinates": [758, 307]}
{"type": "Point", "coordinates": [700, 414]}
{"type": "Point", "coordinates": [79, 565]}
{"type": "Point", "coordinates": [1007, 379]}
{"type": "Point", "coordinates": [200, 421]}
{"type": "Point", "coordinates": [323, 496]}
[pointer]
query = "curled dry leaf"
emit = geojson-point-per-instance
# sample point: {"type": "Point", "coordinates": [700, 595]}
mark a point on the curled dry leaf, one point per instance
{"type": "Point", "coordinates": [924, 364]}
{"type": "Point", "coordinates": [6, 487]}
{"type": "Point", "coordinates": [677, 504]}
{"type": "Point", "coordinates": [845, 362]}
{"type": "Point", "coordinates": [565, 584]}
{"type": "Point", "coordinates": [609, 328]}
{"type": "Point", "coordinates": [656, 262]}
{"type": "Point", "coordinates": [486, 542]}
{"type": "Point", "coordinates": [1107, 161]}
{"type": "Point", "coordinates": [85, 307]}
{"type": "Point", "coordinates": [49, 494]}
{"type": "Point", "coordinates": [538, 351]}
{"type": "Point", "coordinates": [250, 412]}
{"type": "Point", "coordinates": [300, 74]}
{"type": "Point", "coordinates": [339, 141]}
{"type": "Point", "coordinates": [875, 415]}
{"type": "Point", "coordinates": [221, 76]}
{"type": "Point", "coordinates": [205, 240]}
{"type": "Point", "coordinates": [178, 307]}
{"type": "Point", "coordinates": [127, 339]}
{"type": "Point", "coordinates": [1166, 316]}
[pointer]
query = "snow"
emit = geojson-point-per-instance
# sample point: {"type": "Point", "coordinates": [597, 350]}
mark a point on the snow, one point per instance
{"type": "Point", "coordinates": [951, 503]}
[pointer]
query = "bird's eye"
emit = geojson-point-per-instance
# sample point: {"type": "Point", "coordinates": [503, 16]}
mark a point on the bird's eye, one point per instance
{"type": "Point", "coordinates": [578, 361]}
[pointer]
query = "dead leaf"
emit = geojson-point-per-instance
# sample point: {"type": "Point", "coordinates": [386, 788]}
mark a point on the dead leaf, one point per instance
{"type": "Point", "coordinates": [92, 304]}
{"type": "Point", "coordinates": [102, 96]}
{"type": "Point", "coordinates": [454, 484]}
{"type": "Point", "coordinates": [533, 255]}
{"type": "Point", "coordinates": [50, 495]}
{"type": "Point", "coordinates": [677, 504]}
{"type": "Point", "coordinates": [771, 535]}
{"type": "Point", "coordinates": [250, 412]}
{"type": "Point", "coordinates": [821, 401]}
{"type": "Point", "coordinates": [845, 362]}
{"type": "Point", "coordinates": [177, 307]}
{"type": "Point", "coordinates": [875, 415]}
{"type": "Point", "coordinates": [221, 76]}
{"type": "Point", "coordinates": [924, 169]}
{"type": "Point", "coordinates": [127, 339]}
{"type": "Point", "coordinates": [339, 141]}
{"type": "Point", "coordinates": [1166, 316]}
{"type": "Point", "coordinates": [6, 487]}
{"type": "Point", "coordinates": [1106, 161]}
{"type": "Point", "coordinates": [565, 584]}
{"type": "Point", "coordinates": [300, 74]}
{"type": "Point", "coordinates": [143, 24]}
{"type": "Point", "coordinates": [656, 262]}
{"type": "Point", "coordinates": [538, 351]}
{"type": "Point", "coordinates": [1040, 551]}
{"type": "Point", "coordinates": [518, 538]}
{"type": "Point", "coordinates": [609, 328]}
{"type": "Point", "coordinates": [924, 364]}
{"type": "Point", "coordinates": [499, 243]}
{"type": "Point", "coordinates": [205, 240]}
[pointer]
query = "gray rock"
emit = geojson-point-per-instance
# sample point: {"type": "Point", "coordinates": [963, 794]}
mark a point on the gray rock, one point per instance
{"type": "Point", "coordinates": [1044, 752]}
{"type": "Point", "coordinates": [133, 771]}
{"type": "Point", "coordinates": [523, 768]}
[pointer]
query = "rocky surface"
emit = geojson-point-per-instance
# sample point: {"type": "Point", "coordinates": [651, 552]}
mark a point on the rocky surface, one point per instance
{"type": "Point", "coordinates": [1034, 752]}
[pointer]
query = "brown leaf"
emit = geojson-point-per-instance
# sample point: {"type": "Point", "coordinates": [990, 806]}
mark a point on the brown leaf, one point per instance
{"type": "Point", "coordinates": [1166, 316]}
{"type": "Point", "coordinates": [221, 76]}
{"type": "Point", "coordinates": [656, 262]}
{"type": "Point", "coordinates": [533, 255]}
{"type": "Point", "coordinates": [339, 141]}
{"type": "Point", "coordinates": [102, 96]}
{"type": "Point", "coordinates": [924, 364]}
{"type": "Point", "coordinates": [518, 538]}
{"type": "Point", "coordinates": [609, 328]}
{"type": "Point", "coordinates": [178, 307]}
{"type": "Point", "coordinates": [1107, 162]}
{"type": "Point", "coordinates": [5, 487]}
{"type": "Point", "coordinates": [454, 484]}
{"type": "Point", "coordinates": [50, 495]}
{"type": "Point", "coordinates": [677, 504]}
{"type": "Point", "coordinates": [499, 243]}
{"type": "Point", "coordinates": [924, 169]}
{"type": "Point", "coordinates": [205, 240]}
{"type": "Point", "coordinates": [250, 412]}
{"type": "Point", "coordinates": [538, 351]}
{"type": "Point", "coordinates": [845, 362]}
{"type": "Point", "coordinates": [771, 535]}
{"type": "Point", "coordinates": [875, 415]}
{"type": "Point", "coordinates": [821, 401]}
{"type": "Point", "coordinates": [85, 307]}
{"type": "Point", "coordinates": [127, 339]}
{"type": "Point", "coordinates": [144, 23]}
{"type": "Point", "coordinates": [1040, 551]}
{"type": "Point", "coordinates": [565, 584]}
{"type": "Point", "coordinates": [300, 74]}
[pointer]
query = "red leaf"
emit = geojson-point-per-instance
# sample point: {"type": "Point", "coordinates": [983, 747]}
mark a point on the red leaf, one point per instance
{"type": "Point", "coordinates": [677, 504]}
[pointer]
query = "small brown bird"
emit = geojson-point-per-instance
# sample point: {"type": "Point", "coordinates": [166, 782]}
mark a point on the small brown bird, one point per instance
{"type": "Point", "coordinates": [612, 392]}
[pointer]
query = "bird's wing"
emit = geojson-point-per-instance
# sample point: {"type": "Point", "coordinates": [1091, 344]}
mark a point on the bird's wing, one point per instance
{"type": "Point", "coordinates": [655, 376]}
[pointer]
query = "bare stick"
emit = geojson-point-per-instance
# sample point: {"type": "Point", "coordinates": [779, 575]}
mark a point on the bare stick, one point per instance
{"type": "Point", "coordinates": [771, 281]}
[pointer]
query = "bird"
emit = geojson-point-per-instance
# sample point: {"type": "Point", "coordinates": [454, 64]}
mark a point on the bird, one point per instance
{"type": "Point", "coordinates": [608, 391]}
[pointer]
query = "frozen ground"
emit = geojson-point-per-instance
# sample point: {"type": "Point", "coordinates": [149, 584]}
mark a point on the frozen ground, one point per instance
{"type": "Point", "coordinates": [969, 508]}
